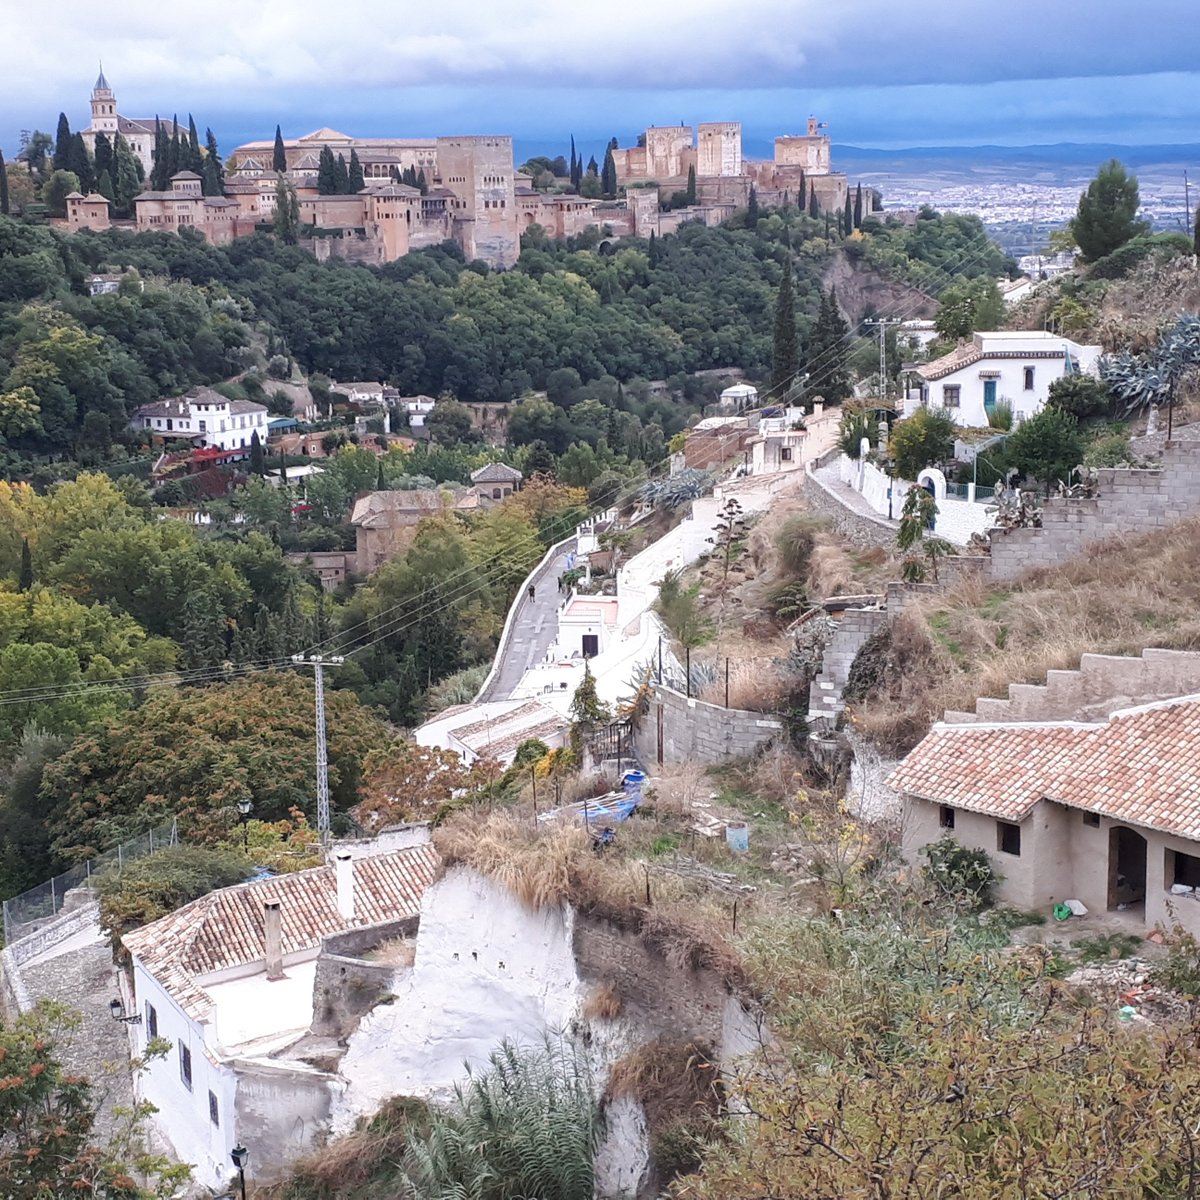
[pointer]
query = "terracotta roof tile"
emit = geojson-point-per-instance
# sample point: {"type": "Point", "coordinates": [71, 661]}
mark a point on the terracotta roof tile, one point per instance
{"type": "Point", "coordinates": [225, 928]}
{"type": "Point", "coordinates": [1142, 765]}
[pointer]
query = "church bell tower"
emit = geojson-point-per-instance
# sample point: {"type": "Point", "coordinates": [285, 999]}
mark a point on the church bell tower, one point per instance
{"type": "Point", "coordinates": [104, 106]}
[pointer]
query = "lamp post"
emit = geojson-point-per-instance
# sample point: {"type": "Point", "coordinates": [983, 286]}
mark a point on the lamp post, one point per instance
{"type": "Point", "coordinates": [245, 808]}
{"type": "Point", "coordinates": [117, 1010]}
{"type": "Point", "coordinates": [241, 1156]}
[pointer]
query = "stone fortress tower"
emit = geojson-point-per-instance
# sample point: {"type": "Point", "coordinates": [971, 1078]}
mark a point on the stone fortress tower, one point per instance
{"type": "Point", "coordinates": [479, 171]}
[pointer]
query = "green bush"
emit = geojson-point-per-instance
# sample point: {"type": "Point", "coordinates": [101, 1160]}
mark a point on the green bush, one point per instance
{"type": "Point", "coordinates": [1120, 262]}
{"type": "Point", "coordinates": [1001, 416]}
{"type": "Point", "coordinates": [1083, 397]}
{"type": "Point", "coordinates": [962, 875]}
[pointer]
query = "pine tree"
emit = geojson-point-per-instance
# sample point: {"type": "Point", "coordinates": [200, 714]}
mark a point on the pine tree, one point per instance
{"type": "Point", "coordinates": [858, 208]}
{"type": "Point", "coordinates": [752, 209]}
{"type": "Point", "coordinates": [62, 145]}
{"type": "Point", "coordinates": [287, 212]}
{"type": "Point", "coordinates": [81, 164]}
{"type": "Point", "coordinates": [258, 460]}
{"type": "Point", "coordinates": [125, 181]}
{"type": "Point", "coordinates": [279, 155]}
{"type": "Point", "coordinates": [848, 216]}
{"type": "Point", "coordinates": [104, 185]}
{"type": "Point", "coordinates": [158, 173]}
{"type": "Point", "coordinates": [1107, 214]}
{"type": "Point", "coordinates": [342, 174]}
{"type": "Point", "coordinates": [326, 173]}
{"type": "Point", "coordinates": [3, 186]}
{"type": "Point", "coordinates": [356, 183]}
{"type": "Point", "coordinates": [785, 348]}
{"type": "Point", "coordinates": [608, 173]}
{"type": "Point", "coordinates": [691, 185]}
{"type": "Point", "coordinates": [195, 161]}
{"type": "Point", "coordinates": [214, 171]}
{"type": "Point", "coordinates": [655, 253]}
{"type": "Point", "coordinates": [103, 160]}
{"type": "Point", "coordinates": [813, 207]}
{"type": "Point", "coordinates": [25, 581]}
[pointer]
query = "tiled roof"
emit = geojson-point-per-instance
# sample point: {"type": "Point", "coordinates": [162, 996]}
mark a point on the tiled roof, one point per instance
{"type": "Point", "coordinates": [375, 509]}
{"type": "Point", "coordinates": [226, 929]}
{"type": "Point", "coordinates": [507, 731]}
{"type": "Point", "coordinates": [1142, 765]}
{"type": "Point", "coordinates": [496, 473]}
{"type": "Point", "coordinates": [959, 357]}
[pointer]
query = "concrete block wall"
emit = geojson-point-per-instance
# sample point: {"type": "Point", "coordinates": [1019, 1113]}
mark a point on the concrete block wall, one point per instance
{"type": "Point", "coordinates": [695, 731]}
{"type": "Point", "coordinates": [1102, 684]}
{"type": "Point", "coordinates": [825, 703]}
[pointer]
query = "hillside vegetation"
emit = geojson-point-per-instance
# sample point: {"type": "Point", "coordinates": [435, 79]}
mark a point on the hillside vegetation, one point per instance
{"type": "Point", "coordinates": [974, 640]}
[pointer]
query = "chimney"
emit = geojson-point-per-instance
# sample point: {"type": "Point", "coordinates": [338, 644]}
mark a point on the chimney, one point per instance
{"type": "Point", "coordinates": [274, 939]}
{"type": "Point", "coordinates": [343, 866]}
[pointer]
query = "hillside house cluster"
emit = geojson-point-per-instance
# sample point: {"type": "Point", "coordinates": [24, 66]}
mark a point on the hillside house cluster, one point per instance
{"type": "Point", "coordinates": [205, 418]}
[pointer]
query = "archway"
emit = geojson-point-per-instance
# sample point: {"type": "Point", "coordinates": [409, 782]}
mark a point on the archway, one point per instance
{"type": "Point", "coordinates": [1126, 868]}
{"type": "Point", "coordinates": [934, 482]}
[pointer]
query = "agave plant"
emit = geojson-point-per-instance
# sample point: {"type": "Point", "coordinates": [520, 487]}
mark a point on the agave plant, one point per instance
{"type": "Point", "coordinates": [1144, 380]}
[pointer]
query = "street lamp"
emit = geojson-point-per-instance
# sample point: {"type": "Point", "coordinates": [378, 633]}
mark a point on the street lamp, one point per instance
{"type": "Point", "coordinates": [241, 1156]}
{"type": "Point", "coordinates": [245, 808]}
{"type": "Point", "coordinates": [117, 1009]}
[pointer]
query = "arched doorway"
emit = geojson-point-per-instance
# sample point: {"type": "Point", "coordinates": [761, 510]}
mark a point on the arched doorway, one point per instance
{"type": "Point", "coordinates": [1126, 868]}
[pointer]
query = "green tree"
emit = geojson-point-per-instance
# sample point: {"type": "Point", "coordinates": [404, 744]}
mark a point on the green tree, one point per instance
{"type": "Point", "coordinates": [326, 173]}
{"type": "Point", "coordinates": [856, 424]}
{"type": "Point", "coordinates": [847, 216]}
{"type": "Point", "coordinates": [608, 176]}
{"type": "Point", "coordinates": [104, 185]}
{"type": "Point", "coordinates": [287, 212]}
{"type": "Point", "coordinates": [25, 579]}
{"type": "Point", "coordinates": [1107, 214]}
{"type": "Point", "coordinates": [814, 208]}
{"type": "Point", "coordinates": [1046, 447]}
{"type": "Point", "coordinates": [258, 460]}
{"type": "Point", "coordinates": [752, 209]}
{"type": "Point", "coordinates": [127, 181]}
{"type": "Point", "coordinates": [62, 145]}
{"type": "Point", "coordinates": [355, 181]}
{"type": "Point", "coordinates": [785, 347]}
{"type": "Point", "coordinates": [195, 161]}
{"type": "Point", "coordinates": [970, 306]}
{"type": "Point", "coordinates": [691, 185]}
{"type": "Point", "coordinates": [922, 440]}
{"type": "Point", "coordinates": [279, 153]}
{"type": "Point", "coordinates": [213, 170]}
{"type": "Point", "coordinates": [4, 201]}
{"type": "Point", "coordinates": [58, 187]}
{"type": "Point", "coordinates": [104, 155]}
{"type": "Point", "coordinates": [829, 352]}
{"type": "Point", "coordinates": [158, 173]}
{"type": "Point", "coordinates": [341, 175]}
{"type": "Point", "coordinates": [449, 423]}
{"type": "Point", "coordinates": [1083, 396]}
{"type": "Point", "coordinates": [858, 207]}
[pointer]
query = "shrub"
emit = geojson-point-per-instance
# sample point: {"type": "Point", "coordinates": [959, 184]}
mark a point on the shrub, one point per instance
{"type": "Point", "coordinates": [922, 440]}
{"type": "Point", "coordinates": [1179, 972]}
{"type": "Point", "coordinates": [857, 424]}
{"type": "Point", "coordinates": [958, 873]}
{"type": "Point", "coordinates": [1001, 416]}
{"type": "Point", "coordinates": [1084, 397]}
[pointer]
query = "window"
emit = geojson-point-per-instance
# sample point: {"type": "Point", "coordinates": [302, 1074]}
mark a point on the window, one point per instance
{"type": "Point", "coordinates": [151, 1021]}
{"type": "Point", "coordinates": [203, 426]}
{"type": "Point", "coordinates": [185, 1066]}
{"type": "Point", "coordinates": [950, 395]}
{"type": "Point", "coordinates": [946, 817]}
{"type": "Point", "coordinates": [1185, 870]}
{"type": "Point", "coordinates": [169, 425]}
{"type": "Point", "coordinates": [1092, 819]}
{"type": "Point", "coordinates": [1029, 379]}
{"type": "Point", "coordinates": [496, 493]}
{"type": "Point", "coordinates": [214, 1114]}
{"type": "Point", "coordinates": [1008, 838]}
{"type": "Point", "coordinates": [785, 454]}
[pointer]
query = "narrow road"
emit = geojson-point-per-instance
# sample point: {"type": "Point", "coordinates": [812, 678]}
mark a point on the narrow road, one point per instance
{"type": "Point", "coordinates": [533, 629]}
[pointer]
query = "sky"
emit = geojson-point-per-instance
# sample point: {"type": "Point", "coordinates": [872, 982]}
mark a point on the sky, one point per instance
{"type": "Point", "coordinates": [881, 73]}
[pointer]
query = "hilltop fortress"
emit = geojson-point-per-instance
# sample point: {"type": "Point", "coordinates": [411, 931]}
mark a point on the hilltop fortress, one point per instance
{"type": "Point", "coordinates": [473, 195]}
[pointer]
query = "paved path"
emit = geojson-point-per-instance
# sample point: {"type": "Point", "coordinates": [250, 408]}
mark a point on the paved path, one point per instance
{"type": "Point", "coordinates": [534, 628]}
{"type": "Point", "coordinates": [847, 496]}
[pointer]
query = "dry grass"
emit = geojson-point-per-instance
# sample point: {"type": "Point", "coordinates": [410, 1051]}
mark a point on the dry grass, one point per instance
{"type": "Point", "coordinates": [1126, 596]}
{"type": "Point", "coordinates": [395, 952]}
{"type": "Point", "coordinates": [755, 685]}
{"type": "Point", "coordinates": [686, 924]}
{"type": "Point", "coordinates": [676, 788]}
{"type": "Point", "coordinates": [603, 1003]}
{"type": "Point", "coordinates": [671, 1079]}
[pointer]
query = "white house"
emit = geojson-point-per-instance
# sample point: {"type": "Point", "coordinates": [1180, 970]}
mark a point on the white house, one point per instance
{"type": "Point", "coordinates": [417, 408]}
{"type": "Point", "coordinates": [790, 440]}
{"type": "Point", "coordinates": [228, 980]}
{"type": "Point", "coordinates": [739, 397]}
{"type": "Point", "coordinates": [493, 729]}
{"type": "Point", "coordinates": [205, 418]}
{"type": "Point", "coordinates": [1015, 367]}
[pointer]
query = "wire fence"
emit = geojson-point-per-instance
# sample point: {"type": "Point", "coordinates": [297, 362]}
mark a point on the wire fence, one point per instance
{"type": "Point", "coordinates": [39, 906]}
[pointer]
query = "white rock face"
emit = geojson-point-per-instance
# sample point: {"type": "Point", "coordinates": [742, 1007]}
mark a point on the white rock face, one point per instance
{"type": "Point", "coordinates": [486, 968]}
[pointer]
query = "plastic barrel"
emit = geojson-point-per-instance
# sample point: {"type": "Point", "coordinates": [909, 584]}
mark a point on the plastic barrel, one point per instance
{"type": "Point", "coordinates": [633, 783]}
{"type": "Point", "coordinates": [737, 836]}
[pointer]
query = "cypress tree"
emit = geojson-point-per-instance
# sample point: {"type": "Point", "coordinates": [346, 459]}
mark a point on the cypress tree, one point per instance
{"type": "Point", "coordinates": [752, 209]}
{"type": "Point", "coordinates": [356, 181]}
{"type": "Point", "coordinates": [342, 175]}
{"type": "Point", "coordinates": [858, 208]}
{"type": "Point", "coordinates": [62, 144]}
{"type": "Point", "coordinates": [287, 212]}
{"type": "Point", "coordinates": [576, 167]}
{"type": "Point", "coordinates": [813, 207]}
{"type": "Point", "coordinates": [195, 161]}
{"type": "Point", "coordinates": [3, 186]}
{"type": "Point", "coordinates": [25, 582]}
{"type": "Point", "coordinates": [279, 156]}
{"type": "Point", "coordinates": [829, 351]}
{"type": "Point", "coordinates": [125, 180]}
{"type": "Point", "coordinates": [104, 185]}
{"type": "Point", "coordinates": [655, 253]}
{"type": "Point", "coordinates": [214, 172]}
{"type": "Point", "coordinates": [801, 198]}
{"type": "Point", "coordinates": [691, 185]}
{"type": "Point", "coordinates": [608, 173]}
{"type": "Point", "coordinates": [173, 167]}
{"type": "Point", "coordinates": [785, 349]}
{"type": "Point", "coordinates": [848, 216]}
{"type": "Point", "coordinates": [258, 461]}
{"type": "Point", "coordinates": [421, 183]}
{"type": "Point", "coordinates": [593, 168]}
{"type": "Point", "coordinates": [380, 482]}
{"type": "Point", "coordinates": [158, 173]}
{"type": "Point", "coordinates": [81, 164]}
{"type": "Point", "coordinates": [326, 173]}
{"type": "Point", "coordinates": [104, 157]}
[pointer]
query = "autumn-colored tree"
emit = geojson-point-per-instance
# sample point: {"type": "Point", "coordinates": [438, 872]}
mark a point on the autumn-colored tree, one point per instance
{"type": "Point", "coordinates": [49, 1147]}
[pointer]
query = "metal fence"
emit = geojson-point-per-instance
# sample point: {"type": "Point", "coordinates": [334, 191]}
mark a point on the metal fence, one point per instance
{"type": "Point", "coordinates": [31, 910]}
{"type": "Point", "coordinates": [960, 491]}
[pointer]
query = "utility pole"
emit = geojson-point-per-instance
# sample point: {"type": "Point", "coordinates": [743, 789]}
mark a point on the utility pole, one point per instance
{"type": "Point", "coordinates": [318, 662]}
{"type": "Point", "coordinates": [1187, 204]}
{"type": "Point", "coordinates": [883, 324]}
